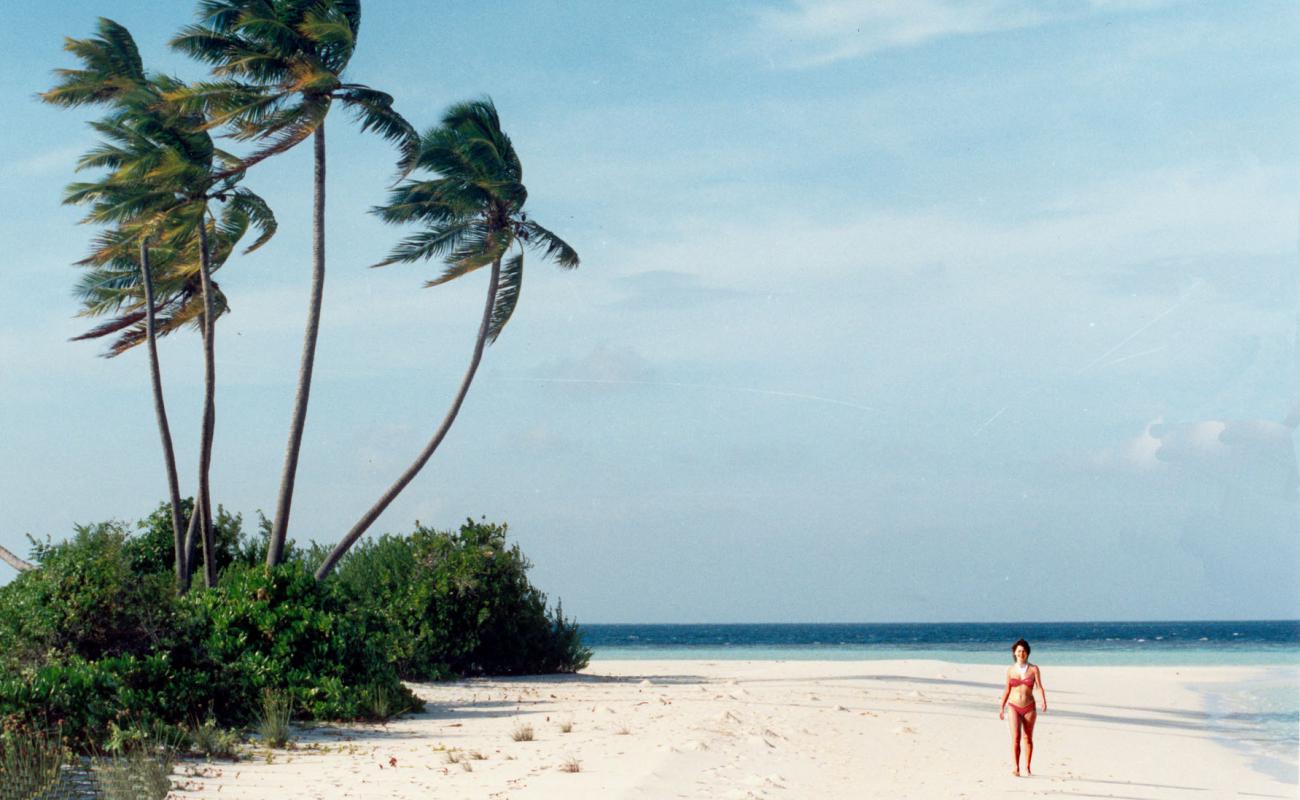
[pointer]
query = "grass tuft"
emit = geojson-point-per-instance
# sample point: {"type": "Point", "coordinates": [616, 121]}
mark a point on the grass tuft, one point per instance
{"type": "Point", "coordinates": [29, 764]}
{"type": "Point", "coordinates": [137, 775]}
{"type": "Point", "coordinates": [571, 765]}
{"type": "Point", "coordinates": [212, 741]}
{"type": "Point", "coordinates": [273, 722]}
{"type": "Point", "coordinates": [522, 733]}
{"type": "Point", "coordinates": [566, 726]}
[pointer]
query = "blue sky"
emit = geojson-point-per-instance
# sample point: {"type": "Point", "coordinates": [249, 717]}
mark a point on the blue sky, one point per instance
{"type": "Point", "coordinates": [888, 311]}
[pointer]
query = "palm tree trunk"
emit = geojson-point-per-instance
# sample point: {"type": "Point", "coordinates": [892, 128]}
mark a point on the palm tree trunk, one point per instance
{"type": "Point", "coordinates": [191, 542]}
{"type": "Point", "coordinates": [370, 516]}
{"type": "Point", "coordinates": [203, 503]}
{"type": "Point", "coordinates": [280, 528]}
{"type": "Point", "coordinates": [14, 561]}
{"type": "Point", "coordinates": [160, 410]}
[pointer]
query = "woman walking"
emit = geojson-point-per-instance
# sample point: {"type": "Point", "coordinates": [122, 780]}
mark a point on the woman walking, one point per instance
{"type": "Point", "coordinates": [1022, 677]}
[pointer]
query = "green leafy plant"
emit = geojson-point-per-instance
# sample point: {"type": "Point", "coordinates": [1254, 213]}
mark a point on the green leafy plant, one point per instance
{"type": "Point", "coordinates": [210, 740]}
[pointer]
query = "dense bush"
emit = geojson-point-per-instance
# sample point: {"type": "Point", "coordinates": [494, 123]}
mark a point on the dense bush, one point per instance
{"type": "Point", "coordinates": [96, 639]}
{"type": "Point", "coordinates": [457, 604]}
{"type": "Point", "coordinates": [279, 629]}
{"type": "Point", "coordinates": [88, 600]}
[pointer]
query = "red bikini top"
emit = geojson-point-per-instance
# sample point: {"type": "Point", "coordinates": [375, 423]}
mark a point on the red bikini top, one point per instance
{"type": "Point", "coordinates": [1022, 682]}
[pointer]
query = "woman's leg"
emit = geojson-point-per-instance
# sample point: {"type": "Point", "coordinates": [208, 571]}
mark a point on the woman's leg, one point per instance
{"type": "Point", "coordinates": [1013, 721]}
{"type": "Point", "coordinates": [1028, 728]}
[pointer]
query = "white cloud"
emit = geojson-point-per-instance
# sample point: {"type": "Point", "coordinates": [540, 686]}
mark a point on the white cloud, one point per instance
{"type": "Point", "coordinates": [62, 159]}
{"type": "Point", "coordinates": [1130, 219]}
{"type": "Point", "coordinates": [1255, 455]}
{"type": "Point", "coordinates": [819, 32]}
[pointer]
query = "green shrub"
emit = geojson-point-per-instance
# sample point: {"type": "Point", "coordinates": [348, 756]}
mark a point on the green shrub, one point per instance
{"type": "Point", "coordinates": [456, 603]}
{"type": "Point", "coordinates": [152, 549]}
{"type": "Point", "coordinates": [86, 599]}
{"type": "Point", "coordinates": [96, 644]}
{"type": "Point", "coordinates": [278, 628]}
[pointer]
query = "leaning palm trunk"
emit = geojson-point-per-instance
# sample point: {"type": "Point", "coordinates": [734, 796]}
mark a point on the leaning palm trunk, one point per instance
{"type": "Point", "coordinates": [280, 528]}
{"type": "Point", "coordinates": [160, 410]}
{"type": "Point", "coordinates": [203, 503]}
{"type": "Point", "coordinates": [22, 565]}
{"type": "Point", "coordinates": [370, 516]}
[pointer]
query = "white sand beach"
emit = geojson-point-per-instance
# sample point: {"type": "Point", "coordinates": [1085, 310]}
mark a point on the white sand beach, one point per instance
{"type": "Point", "coordinates": [773, 729]}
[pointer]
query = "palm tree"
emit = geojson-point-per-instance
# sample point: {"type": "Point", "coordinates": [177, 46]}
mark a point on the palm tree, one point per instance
{"type": "Point", "coordinates": [163, 171]}
{"type": "Point", "coordinates": [280, 65]}
{"type": "Point", "coordinates": [473, 216]}
{"type": "Point", "coordinates": [113, 73]}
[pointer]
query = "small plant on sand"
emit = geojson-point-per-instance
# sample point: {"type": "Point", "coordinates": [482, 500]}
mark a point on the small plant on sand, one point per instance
{"type": "Point", "coordinates": [137, 775]}
{"type": "Point", "coordinates": [140, 763]}
{"type": "Point", "coordinates": [477, 756]}
{"type": "Point", "coordinates": [571, 765]}
{"type": "Point", "coordinates": [468, 767]}
{"type": "Point", "coordinates": [29, 764]}
{"type": "Point", "coordinates": [566, 726]}
{"type": "Point", "coordinates": [452, 756]}
{"type": "Point", "coordinates": [213, 741]}
{"type": "Point", "coordinates": [377, 703]}
{"type": "Point", "coordinates": [522, 733]}
{"type": "Point", "coordinates": [273, 721]}
{"type": "Point", "coordinates": [623, 730]}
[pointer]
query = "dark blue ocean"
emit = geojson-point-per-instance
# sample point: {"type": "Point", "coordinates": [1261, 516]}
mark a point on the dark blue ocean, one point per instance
{"type": "Point", "coordinates": [1064, 643]}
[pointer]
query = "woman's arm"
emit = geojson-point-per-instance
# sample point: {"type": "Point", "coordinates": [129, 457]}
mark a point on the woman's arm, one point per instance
{"type": "Point", "coordinates": [1041, 689]}
{"type": "Point", "coordinates": [1002, 704]}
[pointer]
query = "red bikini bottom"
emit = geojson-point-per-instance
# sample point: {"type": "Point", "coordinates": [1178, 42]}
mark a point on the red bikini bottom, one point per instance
{"type": "Point", "coordinates": [1025, 709]}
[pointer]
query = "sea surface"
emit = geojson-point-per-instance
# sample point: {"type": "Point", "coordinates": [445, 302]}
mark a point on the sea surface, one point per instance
{"type": "Point", "coordinates": [1260, 716]}
{"type": "Point", "coordinates": [1064, 643]}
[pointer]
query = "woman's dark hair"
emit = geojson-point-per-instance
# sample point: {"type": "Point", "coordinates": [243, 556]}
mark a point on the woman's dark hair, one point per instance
{"type": "Point", "coordinates": [1021, 643]}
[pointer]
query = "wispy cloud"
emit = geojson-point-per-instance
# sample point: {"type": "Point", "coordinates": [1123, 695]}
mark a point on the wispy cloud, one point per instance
{"type": "Point", "coordinates": [62, 159]}
{"type": "Point", "coordinates": [818, 32]}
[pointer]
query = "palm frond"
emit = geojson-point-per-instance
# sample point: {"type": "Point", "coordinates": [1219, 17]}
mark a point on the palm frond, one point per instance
{"type": "Point", "coordinates": [426, 244]}
{"type": "Point", "coordinates": [508, 287]}
{"type": "Point", "coordinates": [111, 66]}
{"type": "Point", "coordinates": [292, 131]}
{"type": "Point", "coordinates": [552, 246]}
{"type": "Point", "coordinates": [374, 110]}
{"type": "Point", "coordinates": [253, 208]}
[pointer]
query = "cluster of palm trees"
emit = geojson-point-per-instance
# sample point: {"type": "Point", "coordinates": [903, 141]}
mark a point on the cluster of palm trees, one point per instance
{"type": "Point", "coordinates": [173, 207]}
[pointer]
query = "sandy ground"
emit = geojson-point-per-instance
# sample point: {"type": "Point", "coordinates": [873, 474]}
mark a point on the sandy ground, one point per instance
{"type": "Point", "coordinates": [771, 729]}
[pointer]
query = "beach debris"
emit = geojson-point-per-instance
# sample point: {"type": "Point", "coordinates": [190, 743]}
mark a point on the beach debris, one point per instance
{"type": "Point", "coordinates": [645, 682]}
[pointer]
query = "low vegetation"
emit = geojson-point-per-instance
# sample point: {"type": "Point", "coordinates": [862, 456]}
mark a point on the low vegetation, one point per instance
{"type": "Point", "coordinates": [97, 645]}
